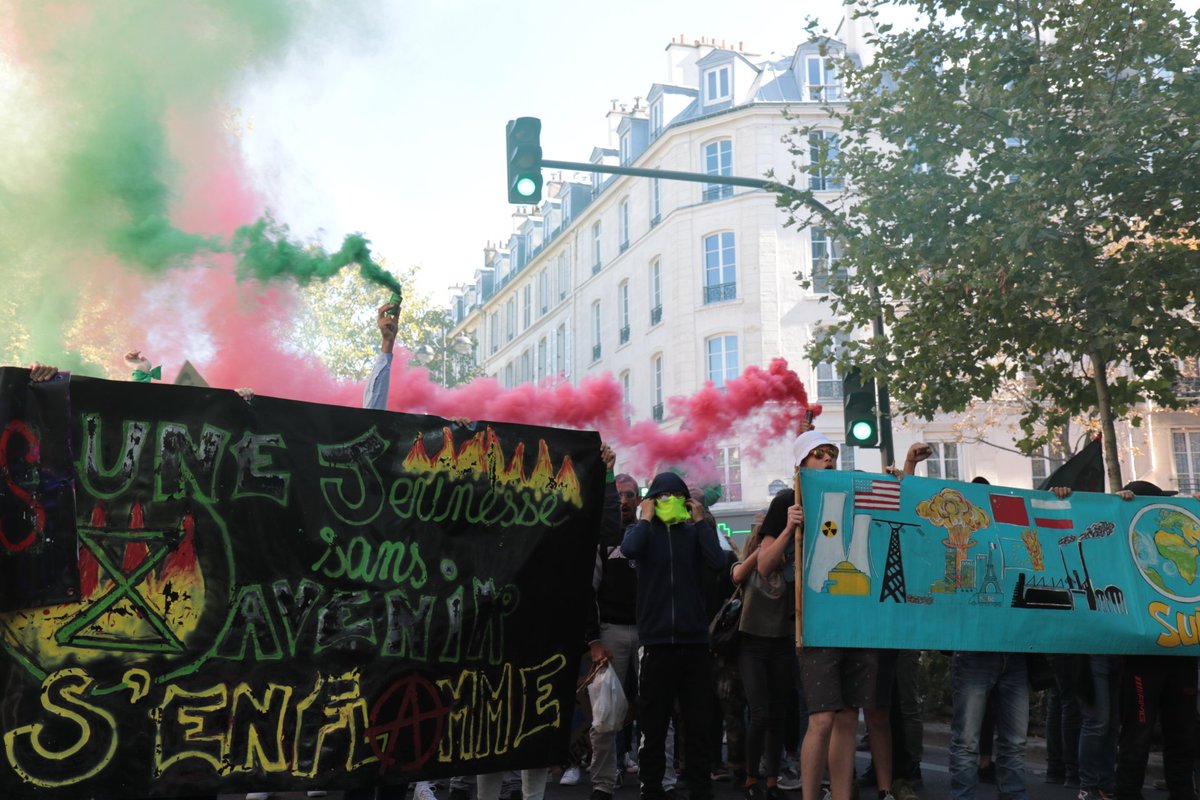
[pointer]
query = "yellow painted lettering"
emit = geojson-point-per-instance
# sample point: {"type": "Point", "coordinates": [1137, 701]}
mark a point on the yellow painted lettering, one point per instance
{"type": "Point", "coordinates": [85, 733]}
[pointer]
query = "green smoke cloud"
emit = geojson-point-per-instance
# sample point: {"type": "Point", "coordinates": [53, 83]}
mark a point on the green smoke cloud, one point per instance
{"type": "Point", "coordinates": [87, 173]}
{"type": "Point", "coordinates": [265, 253]}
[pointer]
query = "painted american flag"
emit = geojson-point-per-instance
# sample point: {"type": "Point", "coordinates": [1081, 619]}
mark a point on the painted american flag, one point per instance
{"type": "Point", "coordinates": [876, 495]}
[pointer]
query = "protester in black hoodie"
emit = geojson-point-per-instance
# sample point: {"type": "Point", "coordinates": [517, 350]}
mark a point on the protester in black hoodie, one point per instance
{"type": "Point", "coordinates": [672, 548]}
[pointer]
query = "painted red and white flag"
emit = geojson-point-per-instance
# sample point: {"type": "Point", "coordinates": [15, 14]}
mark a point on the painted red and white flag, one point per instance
{"type": "Point", "coordinates": [1052, 514]}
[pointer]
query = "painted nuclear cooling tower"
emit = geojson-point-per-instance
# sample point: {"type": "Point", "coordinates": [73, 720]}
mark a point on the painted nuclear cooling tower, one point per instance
{"type": "Point", "coordinates": [830, 548]}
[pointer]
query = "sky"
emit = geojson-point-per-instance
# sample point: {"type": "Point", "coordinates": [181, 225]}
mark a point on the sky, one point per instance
{"type": "Point", "coordinates": [394, 125]}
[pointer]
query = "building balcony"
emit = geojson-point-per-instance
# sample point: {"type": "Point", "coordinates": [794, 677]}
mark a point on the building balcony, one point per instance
{"type": "Point", "coordinates": [624, 334]}
{"type": "Point", "coordinates": [1187, 388]}
{"type": "Point", "coordinates": [825, 92]}
{"type": "Point", "coordinates": [720, 292]}
{"type": "Point", "coordinates": [716, 191]}
{"type": "Point", "coordinates": [656, 315]}
{"type": "Point", "coordinates": [656, 411]}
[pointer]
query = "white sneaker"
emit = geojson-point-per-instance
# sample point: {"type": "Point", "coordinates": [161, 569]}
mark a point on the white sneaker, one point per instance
{"type": "Point", "coordinates": [571, 776]}
{"type": "Point", "coordinates": [424, 791]}
{"type": "Point", "coordinates": [258, 796]}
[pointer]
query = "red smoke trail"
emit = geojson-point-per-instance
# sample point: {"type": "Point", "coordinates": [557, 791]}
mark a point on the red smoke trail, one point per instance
{"type": "Point", "coordinates": [775, 398]}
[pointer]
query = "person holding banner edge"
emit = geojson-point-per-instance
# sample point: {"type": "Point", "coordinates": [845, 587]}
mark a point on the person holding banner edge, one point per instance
{"type": "Point", "coordinates": [1153, 688]}
{"type": "Point", "coordinates": [836, 681]}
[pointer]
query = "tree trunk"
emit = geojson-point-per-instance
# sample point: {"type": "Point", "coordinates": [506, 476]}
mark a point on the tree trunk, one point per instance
{"type": "Point", "coordinates": [1112, 462]}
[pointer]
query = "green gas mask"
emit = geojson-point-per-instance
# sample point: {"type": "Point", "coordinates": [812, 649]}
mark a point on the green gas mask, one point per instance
{"type": "Point", "coordinates": [672, 511]}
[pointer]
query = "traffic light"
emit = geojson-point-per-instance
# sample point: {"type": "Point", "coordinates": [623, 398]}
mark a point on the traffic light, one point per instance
{"type": "Point", "coordinates": [858, 404]}
{"type": "Point", "coordinates": [523, 136]}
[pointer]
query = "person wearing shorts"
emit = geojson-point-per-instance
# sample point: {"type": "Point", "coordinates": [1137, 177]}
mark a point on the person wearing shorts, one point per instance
{"type": "Point", "coordinates": [837, 682]}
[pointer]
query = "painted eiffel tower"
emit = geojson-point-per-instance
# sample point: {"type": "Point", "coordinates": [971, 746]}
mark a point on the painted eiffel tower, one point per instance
{"type": "Point", "coordinates": [991, 593]}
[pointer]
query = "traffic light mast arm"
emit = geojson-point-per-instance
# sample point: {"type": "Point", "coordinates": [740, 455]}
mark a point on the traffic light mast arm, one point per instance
{"type": "Point", "coordinates": [694, 177]}
{"type": "Point", "coordinates": [665, 174]}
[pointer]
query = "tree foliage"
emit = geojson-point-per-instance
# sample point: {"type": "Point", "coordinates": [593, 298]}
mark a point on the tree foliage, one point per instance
{"type": "Point", "coordinates": [1022, 204]}
{"type": "Point", "coordinates": [337, 324]}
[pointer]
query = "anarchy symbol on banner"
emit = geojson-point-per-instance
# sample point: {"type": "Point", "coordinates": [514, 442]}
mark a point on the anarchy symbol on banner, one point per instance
{"type": "Point", "coordinates": [407, 723]}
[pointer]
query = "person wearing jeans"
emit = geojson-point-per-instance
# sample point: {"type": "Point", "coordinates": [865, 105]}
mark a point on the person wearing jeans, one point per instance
{"type": "Point", "coordinates": [1063, 719]}
{"type": "Point", "coordinates": [972, 676]}
{"type": "Point", "coordinates": [533, 784]}
{"type": "Point", "coordinates": [1098, 729]}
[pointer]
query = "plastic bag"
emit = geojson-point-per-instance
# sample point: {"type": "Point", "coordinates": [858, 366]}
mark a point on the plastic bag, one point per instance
{"type": "Point", "coordinates": [609, 704]}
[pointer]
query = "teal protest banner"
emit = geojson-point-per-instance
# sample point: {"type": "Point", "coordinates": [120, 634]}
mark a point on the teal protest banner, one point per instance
{"type": "Point", "coordinates": [931, 564]}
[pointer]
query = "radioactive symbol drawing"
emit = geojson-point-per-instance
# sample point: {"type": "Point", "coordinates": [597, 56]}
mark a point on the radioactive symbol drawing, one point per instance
{"type": "Point", "coordinates": [829, 528]}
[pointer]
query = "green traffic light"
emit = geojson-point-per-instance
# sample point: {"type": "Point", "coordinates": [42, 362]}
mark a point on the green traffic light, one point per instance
{"type": "Point", "coordinates": [862, 431]}
{"type": "Point", "coordinates": [526, 186]}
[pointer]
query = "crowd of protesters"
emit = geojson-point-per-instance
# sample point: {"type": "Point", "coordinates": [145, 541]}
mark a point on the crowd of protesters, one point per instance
{"type": "Point", "coordinates": [777, 718]}
{"type": "Point", "coordinates": [659, 585]}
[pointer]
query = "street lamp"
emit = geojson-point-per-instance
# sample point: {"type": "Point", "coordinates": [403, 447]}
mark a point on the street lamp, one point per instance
{"type": "Point", "coordinates": [425, 354]}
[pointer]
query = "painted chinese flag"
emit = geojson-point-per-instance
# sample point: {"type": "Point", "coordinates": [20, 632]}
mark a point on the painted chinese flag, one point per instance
{"type": "Point", "coordinates": [1009, 510]}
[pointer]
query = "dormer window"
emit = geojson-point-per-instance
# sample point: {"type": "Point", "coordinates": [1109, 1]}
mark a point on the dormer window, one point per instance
{"type": "Point", "coordinates": [624, 148]}
{"type": "Point", "coordinates": [656, 118]}
{"type": "Point", "coordinates": [821, 80]}
{"type": "Point", "coordinates": [717, 85]}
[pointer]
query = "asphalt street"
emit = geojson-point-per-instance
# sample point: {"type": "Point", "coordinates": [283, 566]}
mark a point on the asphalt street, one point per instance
{"type": "Point", "coordinates": [934, 768]}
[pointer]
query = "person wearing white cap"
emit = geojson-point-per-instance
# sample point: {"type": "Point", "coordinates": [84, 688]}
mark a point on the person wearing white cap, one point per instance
{"type": "Point", "coordinates": [836, 681]}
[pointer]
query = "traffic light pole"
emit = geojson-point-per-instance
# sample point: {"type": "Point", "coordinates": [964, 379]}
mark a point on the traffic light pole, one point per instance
{"type": "Point", "coordinates": [887, 448]}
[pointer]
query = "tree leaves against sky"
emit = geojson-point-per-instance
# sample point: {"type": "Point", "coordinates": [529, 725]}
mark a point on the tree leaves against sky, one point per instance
{"type": "Point", "coordinates": [1023, 184]}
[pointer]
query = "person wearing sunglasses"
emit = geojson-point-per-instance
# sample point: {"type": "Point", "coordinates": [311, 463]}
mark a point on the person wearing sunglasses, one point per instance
{"type": "Point", "coordinates": [836, 682]}
{"type": "Point", "coordinates": [673, 548]}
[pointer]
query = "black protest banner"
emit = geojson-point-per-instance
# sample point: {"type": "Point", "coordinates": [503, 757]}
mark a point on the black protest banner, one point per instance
{"type": "Point", "coordinates": [278, 595]}
{"type": "Point", "coordinates": [37, 501]}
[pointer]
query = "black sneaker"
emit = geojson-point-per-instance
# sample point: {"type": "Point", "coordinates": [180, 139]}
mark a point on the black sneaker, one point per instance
{"type": "Point", "coordinates": [775, 793]}
{"type": "Point", "coordinates": [753, 792]}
